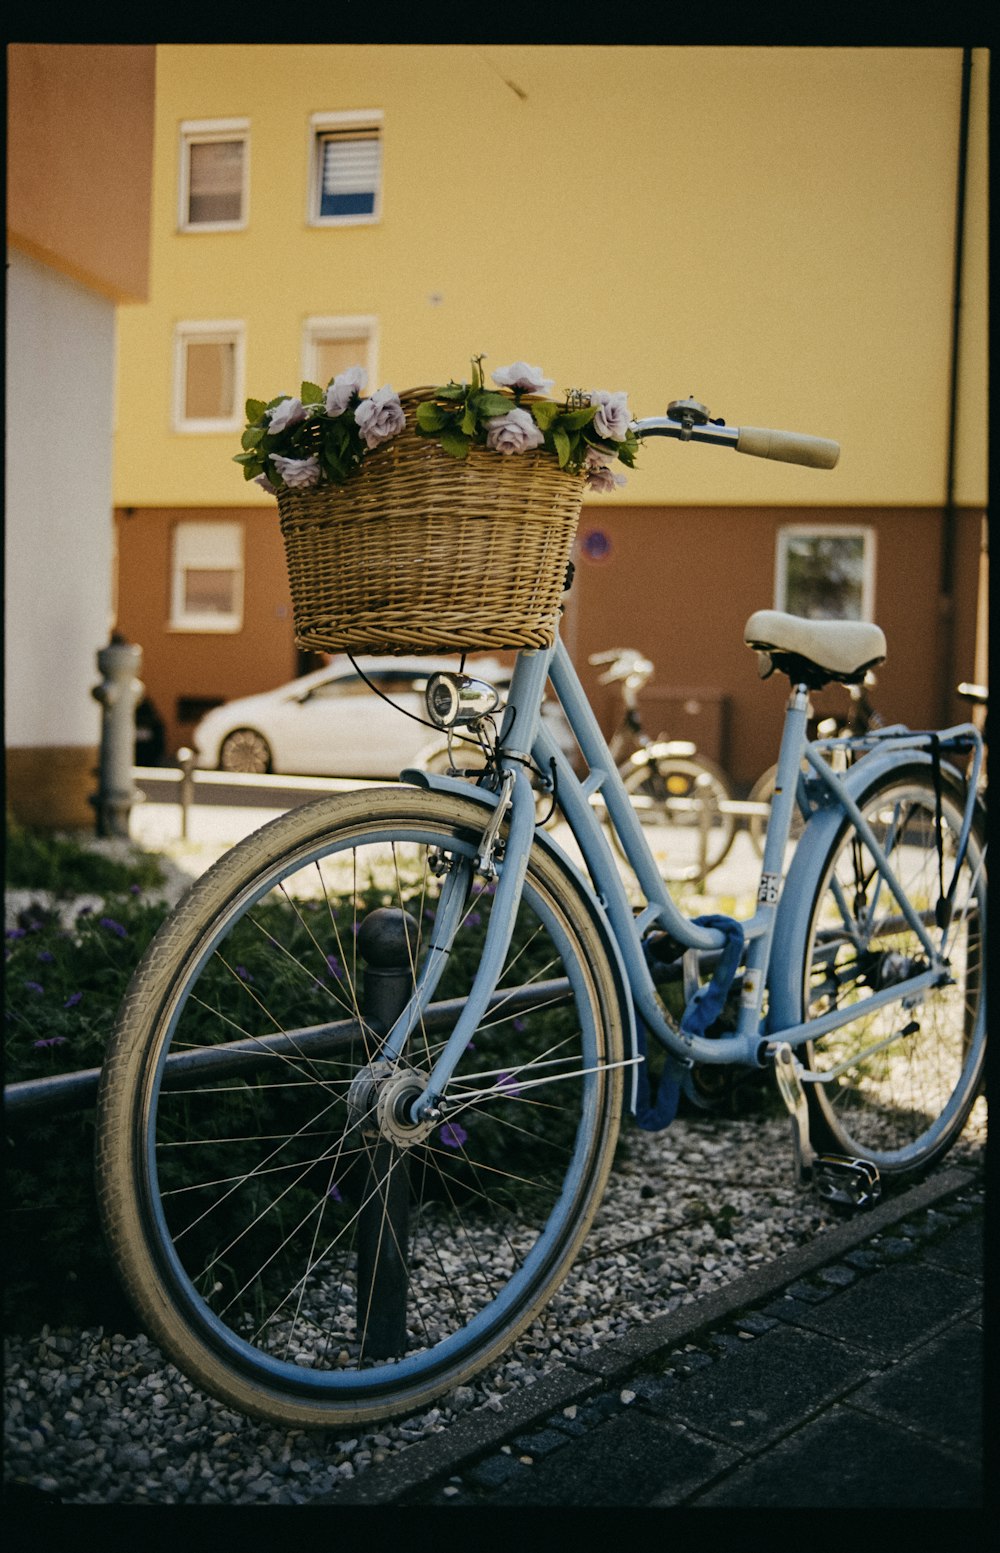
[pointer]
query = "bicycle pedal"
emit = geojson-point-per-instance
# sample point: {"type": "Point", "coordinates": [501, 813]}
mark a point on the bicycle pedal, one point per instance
{"type": "Point", "coordinates": [849, 1185]}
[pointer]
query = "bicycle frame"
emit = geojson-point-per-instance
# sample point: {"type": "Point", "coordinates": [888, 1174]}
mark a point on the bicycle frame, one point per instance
{"type": "Point", "coordinates": [523, 739]}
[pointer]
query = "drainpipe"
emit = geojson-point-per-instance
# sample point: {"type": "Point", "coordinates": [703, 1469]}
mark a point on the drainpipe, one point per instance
{"type": "Point", "coordinates": [946, 591]}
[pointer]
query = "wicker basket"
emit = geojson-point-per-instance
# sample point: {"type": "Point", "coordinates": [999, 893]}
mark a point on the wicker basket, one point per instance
{"type": "Point", "coordinates": [422, 552]}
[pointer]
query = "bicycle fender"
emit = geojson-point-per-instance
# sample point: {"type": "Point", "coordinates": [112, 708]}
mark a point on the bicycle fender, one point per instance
{"type": "Point", "coordinates": [792, 919]}
{"type": "Point", "coordinates": [460, 788]}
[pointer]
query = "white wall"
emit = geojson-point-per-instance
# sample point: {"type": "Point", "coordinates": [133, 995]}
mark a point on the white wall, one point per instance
{"type": "Point", "coordinates": [58, 523]}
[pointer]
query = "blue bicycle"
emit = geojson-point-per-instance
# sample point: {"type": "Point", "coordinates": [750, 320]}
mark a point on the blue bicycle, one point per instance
{"type": "Point", "coordinates": [365, 1088]}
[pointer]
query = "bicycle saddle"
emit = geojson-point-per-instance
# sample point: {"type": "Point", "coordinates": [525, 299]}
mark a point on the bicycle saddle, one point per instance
{"type": "Point", "coordinates": [814, 652]}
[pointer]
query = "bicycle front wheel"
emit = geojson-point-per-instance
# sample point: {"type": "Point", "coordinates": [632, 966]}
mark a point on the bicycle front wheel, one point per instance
{"type": "Point", "coordinates": [903, 1078]}
{"type": "Point", "coordinates": [292, 1241]}
{"type": "Point", "coordinates": [694, 839]}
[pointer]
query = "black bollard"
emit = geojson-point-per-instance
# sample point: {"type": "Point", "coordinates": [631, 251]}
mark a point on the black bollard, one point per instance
{"type": "Point", "coordinates": [383, 1221]}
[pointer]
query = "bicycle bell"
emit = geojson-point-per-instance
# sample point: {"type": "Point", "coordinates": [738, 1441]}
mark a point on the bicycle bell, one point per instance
{"type": "Point", "coordinates": [457, 699]}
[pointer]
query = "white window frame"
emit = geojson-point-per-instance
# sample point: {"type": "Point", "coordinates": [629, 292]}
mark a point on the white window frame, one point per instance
{"type": "Point", "coordinates": [359, 118]}
{"type": "Point", "coordinates": [208, 331]}
{"type": "Point", "coordinates": [362, 326]}
{"type": "Point", "coordinates": [183, 619]}
{"type": "Point", "coordinates": [863, 531]}
{"type": "Point", "coordinates": [197, 132]}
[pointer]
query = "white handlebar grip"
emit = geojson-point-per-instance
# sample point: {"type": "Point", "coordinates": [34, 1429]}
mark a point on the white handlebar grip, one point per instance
{"type": "Point", "coordinates": [791, 447]}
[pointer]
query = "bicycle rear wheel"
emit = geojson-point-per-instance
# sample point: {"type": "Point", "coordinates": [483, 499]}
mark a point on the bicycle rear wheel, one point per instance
{"type": "Point", "coordinates": [295, 1245]}
{"type": "Point", "coordinates": [906, 1075]}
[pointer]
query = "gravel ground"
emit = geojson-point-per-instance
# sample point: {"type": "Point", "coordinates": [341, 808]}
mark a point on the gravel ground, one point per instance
{"type": "Point", "coordinates": [95, 1417]}
{"type": "Point", "coordinates": [98, 1417]}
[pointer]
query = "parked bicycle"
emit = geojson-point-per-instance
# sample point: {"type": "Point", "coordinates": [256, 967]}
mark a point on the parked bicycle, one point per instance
{"type": "Point", "coordinates": [363, 1095]}
{"type": "Point", "coordinates": [672, 786]}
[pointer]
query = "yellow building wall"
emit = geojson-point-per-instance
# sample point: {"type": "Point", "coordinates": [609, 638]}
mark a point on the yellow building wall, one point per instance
{"type": "Point", "coordinates": [768, 229]}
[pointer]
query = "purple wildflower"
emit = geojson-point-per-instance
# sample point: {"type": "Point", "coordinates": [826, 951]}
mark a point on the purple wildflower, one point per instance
{"type": "Point", "coordinates": [243, 973]}
{"type": "Point", "coordinates": [85, 911]}
{"type": "Point", "coordinates": [135, 889]}
{"type": "Point", "coordinates": [15, 932]}
{"type": "Point", "coordinates": [73, 999]}
{"type": "Point", "coordinates": [51, 1040]}
{"type": "Point", "coordinates": [452, 1135]}
{"type": "Point", "coordinates": [114, 927]}
{"type": "Point", "coordinates": [519, 1025]}
{"type": "Point", "coordinates": [474, 919]}
{"type": "Point", "coordinates": [34, 986]}
{"type": "Point", "coordinates": [46, 956]}
{"type": "Point", "coordinates": [508, 1083]}
{"type": "Point", "coordinates": [335, 968]}
{"type": "Point", "coordinates": [335, 1193]}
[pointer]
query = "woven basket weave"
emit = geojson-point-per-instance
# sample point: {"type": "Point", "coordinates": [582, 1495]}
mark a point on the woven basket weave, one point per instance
{"type": "Point", "coordinates": [422, 552]}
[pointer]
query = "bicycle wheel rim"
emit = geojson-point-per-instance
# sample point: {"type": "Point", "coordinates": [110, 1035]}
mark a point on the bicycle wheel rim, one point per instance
{"type": "Point", "coordinates": [294, 1356]}
{"type": "Point", "coordinates": [900, 1106]}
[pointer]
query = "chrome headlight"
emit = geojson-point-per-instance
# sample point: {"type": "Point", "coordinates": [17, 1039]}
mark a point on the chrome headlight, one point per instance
{"type": "Point", "coordinates": [455, 698]}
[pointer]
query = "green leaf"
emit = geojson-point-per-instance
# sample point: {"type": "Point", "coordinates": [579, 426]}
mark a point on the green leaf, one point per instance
{"type": "Point", "coordinates": [574, 420]}
{"type": "Point", "coordinates": [544, 412]}
{"type": "Point", "coordinates": [489, 403]}
{"type": "Point", "coordinates": [252, 436]}
{"type": "Point", "coordinates": [469, 421]}
{"type": "Point", "coordinates": [562, 446]}
{"type": "Point", "coordinates": [255, 409]}
{"type": "Point", "coordinates": [246, 458]}
{"type": "Point", "coordinates": [430, 417]}
{"type": "Point", "coordinates": [451, 391]}
{"type": "Point", "coordinates": [311, 393]}
{"type": "Point", "coordinates": [454, 443]}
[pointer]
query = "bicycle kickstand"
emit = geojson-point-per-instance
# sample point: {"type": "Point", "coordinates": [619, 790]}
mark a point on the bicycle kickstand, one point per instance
{"type": "Point", "coordinates": [846, 1183]}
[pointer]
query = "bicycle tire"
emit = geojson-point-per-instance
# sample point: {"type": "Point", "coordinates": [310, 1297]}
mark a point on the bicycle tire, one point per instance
{"type": "Point", "coordinates": [651, 785]}
{"type": "Point", "coordinates": [237, 1232]}
{"type": "Point", "coordinates": [901, 1106]}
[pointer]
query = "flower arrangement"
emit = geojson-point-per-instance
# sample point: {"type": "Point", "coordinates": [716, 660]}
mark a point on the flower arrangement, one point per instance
{"type": "Point", "coordinates": [323, 435]}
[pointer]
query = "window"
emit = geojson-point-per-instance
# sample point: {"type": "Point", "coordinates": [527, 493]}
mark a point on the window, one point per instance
{"type": "Point", "coordinates": [208, 376]}
{"type": "Point", "coordinates": [331, 345]}
{"type": "Point", "coordinates": [214, 175]}
{"type": "Point", "coordinates": [207, 577]}
{"type": "Point", "coordinates": [826, 571]}
{"type": "Point", "coordinates": [345, 185]}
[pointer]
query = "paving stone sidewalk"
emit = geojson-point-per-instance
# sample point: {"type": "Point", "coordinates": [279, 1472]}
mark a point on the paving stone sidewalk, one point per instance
{"type": "Point", "coordinates": [850, 1376]}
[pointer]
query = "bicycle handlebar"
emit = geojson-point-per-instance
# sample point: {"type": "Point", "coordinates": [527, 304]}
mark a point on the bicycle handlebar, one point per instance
{"type": "Point", "coordinates": [790, 447]}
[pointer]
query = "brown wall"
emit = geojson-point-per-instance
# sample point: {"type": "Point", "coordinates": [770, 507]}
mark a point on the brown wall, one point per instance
{"type": "Point", "coordinates": [79, 160]}
{"type": "Point", "coordinates": [209, 665]}
{"type": "Point", "coordinates": [679, 585]}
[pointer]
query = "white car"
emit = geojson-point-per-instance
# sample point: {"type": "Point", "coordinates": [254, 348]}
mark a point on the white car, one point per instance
{"type": "Point", "coordinates": [329, 723]}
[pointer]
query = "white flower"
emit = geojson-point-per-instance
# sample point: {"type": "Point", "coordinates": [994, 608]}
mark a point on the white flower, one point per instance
{"type": "Point", "coordinates": [380, 417]}
{"type": "Point", "coordinates": [601, 478]}
{"type": "Point", "coordinates": [265, 484]}
{"type": "Point", "coordinates": [520, 375]}
{"type": "Point", "coordinates": [514, 432]}
{"type": "Point", "coordinates": [288, 413]}
{"type": "Point", "coordinates": [344, 385]}
{"type": "Point", "coordinates": [297, 472]}
{"type": "Point", "coordinates": [612, 418]}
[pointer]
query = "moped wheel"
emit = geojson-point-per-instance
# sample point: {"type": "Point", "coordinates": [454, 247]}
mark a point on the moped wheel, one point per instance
{"type": "Point", "coordinates": [686, 833]}
{"type": "Point", "coordinates": [287, 1235]}
{"type": "Point", "coordinates": [902, 1078]}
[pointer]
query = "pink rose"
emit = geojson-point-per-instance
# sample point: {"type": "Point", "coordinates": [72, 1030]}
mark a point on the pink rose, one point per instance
{"type": "Point", "coordinates": [380, 417]}
{"type": "Point", "coordinates": [601, 478]}
{"type": "Point", "coordinates": [297, 472]}
{"type": "Point", "coordinates": [343, 387]}
{"type": "Point", "coordinates": [612, 418]}
{"type": "Point", "coordinates": [520, 376]}
{"type": "Point", "coordinates": [514, 432]}
{"type": "Point", "coordinates": [288, 413]}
